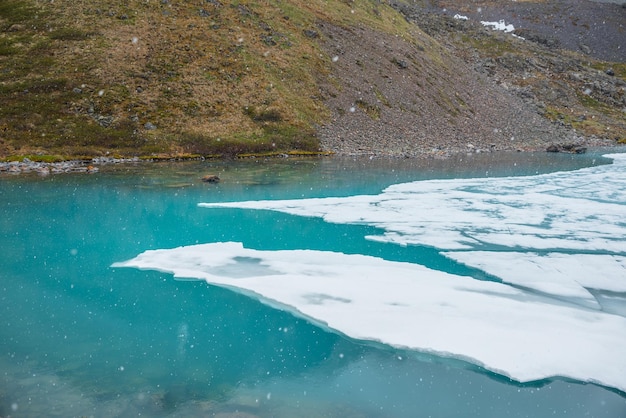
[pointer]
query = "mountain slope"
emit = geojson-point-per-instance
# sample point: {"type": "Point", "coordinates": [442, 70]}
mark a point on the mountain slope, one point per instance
{"type": "Point", "coordinates": [137, 76]}
{"type": "Point", "coordinates": [225, 78]}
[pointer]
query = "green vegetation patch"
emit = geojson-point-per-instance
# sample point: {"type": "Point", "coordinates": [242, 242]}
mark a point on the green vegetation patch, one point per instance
{"type": "Point", "coordinates": [15, 12]}
{"type": "Point", "coordinates": [70, 34]}
{"type": "Point", "coordinates": [7, 47]}
{"type": "Point", "coordinates": [142, 78]}
{"type": "Point", "coordinates": [618, 69]}
{"type": "Point", "coordinates": [267, 140]}
{"type": "Point", "coordinates": [371, 110]}
{"type": "Point", "coordinates": [39, 158]}
{"type": "Point", "coordinates": [492, 46]}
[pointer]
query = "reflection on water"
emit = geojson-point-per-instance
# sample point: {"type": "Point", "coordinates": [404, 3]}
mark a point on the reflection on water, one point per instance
{"type": "Point", "coordinates": [78, 338]}
{"type": "Point", "coordinates": [312, 176]}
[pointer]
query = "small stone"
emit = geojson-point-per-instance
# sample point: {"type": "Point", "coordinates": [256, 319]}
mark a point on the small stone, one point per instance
{"type": "Point", "coordinates": [268, 40]}
{"type": "Point", "coordinates": [609, 71]}
{"type": "Point", "coordinates": [243, 10]}
{"type": "Point", "coordinates": [402, 64]}
{"type": "Point", "coordinates": [104, 121]}
{"type": "Point", "coordinates": [16, 28]}
{"type": "Point", "coordinates": [309, 33]}
{"type": "Point", "coordinates": [150, 126]}
{"type": "Point", "coordinates": [585, 49]}
{"type": "Point", "coordinates": [43, 171]}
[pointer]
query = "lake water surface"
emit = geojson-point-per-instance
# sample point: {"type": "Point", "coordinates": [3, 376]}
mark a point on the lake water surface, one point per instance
{"type": "Point", "coordinates": [82, 335]}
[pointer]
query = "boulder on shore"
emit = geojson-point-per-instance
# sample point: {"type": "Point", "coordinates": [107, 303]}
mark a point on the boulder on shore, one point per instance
{"type": "Point", "coordinates": [569, 148]}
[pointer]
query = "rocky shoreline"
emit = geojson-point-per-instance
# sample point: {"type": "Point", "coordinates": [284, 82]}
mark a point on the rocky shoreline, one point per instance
{"type": "Point", "coordinates": [71, 166]}
{"type": "Point", "coordinates": [27, 166]}
{"type": "Point", "coordinates": [44, 169]}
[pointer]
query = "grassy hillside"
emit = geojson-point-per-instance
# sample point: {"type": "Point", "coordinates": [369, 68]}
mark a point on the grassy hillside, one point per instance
{"type": "Point", "coordinates": [217, 77]}
{"type": "Point", "coordinates": [78, 77]}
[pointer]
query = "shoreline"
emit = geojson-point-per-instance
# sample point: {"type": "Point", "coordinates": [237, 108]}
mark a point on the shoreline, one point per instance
{"type": "Point", "coordinates": [90, 166]}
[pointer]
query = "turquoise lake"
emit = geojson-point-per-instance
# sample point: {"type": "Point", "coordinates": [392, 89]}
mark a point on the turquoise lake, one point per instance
{"type": "Point", "coordinates": [79, 337]}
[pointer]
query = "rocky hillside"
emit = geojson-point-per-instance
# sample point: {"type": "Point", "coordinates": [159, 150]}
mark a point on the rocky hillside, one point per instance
{"type": "Point", "coordinates": [211, 77]}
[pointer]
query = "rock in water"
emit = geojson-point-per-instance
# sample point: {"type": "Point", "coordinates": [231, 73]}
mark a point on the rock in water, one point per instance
{"type": "Point", "coordinates": [211, 178]}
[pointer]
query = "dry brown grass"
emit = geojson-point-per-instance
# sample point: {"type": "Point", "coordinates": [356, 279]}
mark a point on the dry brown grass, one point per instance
{"type": "Point", "coordinates": [193, 69]}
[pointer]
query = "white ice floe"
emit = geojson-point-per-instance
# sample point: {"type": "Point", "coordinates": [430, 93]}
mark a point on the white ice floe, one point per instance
{"type": "Point", "coordinates": [556, 241]}
{"type": "Point", "coordinates": [583, 210]}
{"type": "Point", "coordinates": [556, 236]}
{"type": "Point", "coordinates": [506, 330]}
{"type": "Point", "coordinates": [567, 276]}
{"type": "Point", "coordinates": [500, 25]}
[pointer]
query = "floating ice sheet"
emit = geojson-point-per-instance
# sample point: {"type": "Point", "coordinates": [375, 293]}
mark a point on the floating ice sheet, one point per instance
{"type": "Point", "coordinates": [561, 235]}
{"type": "Point", "coordinates": [583, 210]}
{"type": "Point", "coordinates": [566, 276]}
{"type": "Point", "coordinates": [507, 330]}
{"type": "Point", "coordinates": [555, 241]}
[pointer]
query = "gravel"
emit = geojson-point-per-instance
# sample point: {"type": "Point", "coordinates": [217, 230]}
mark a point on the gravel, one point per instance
{"type": "Point", "coordinates": [406, 98]}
